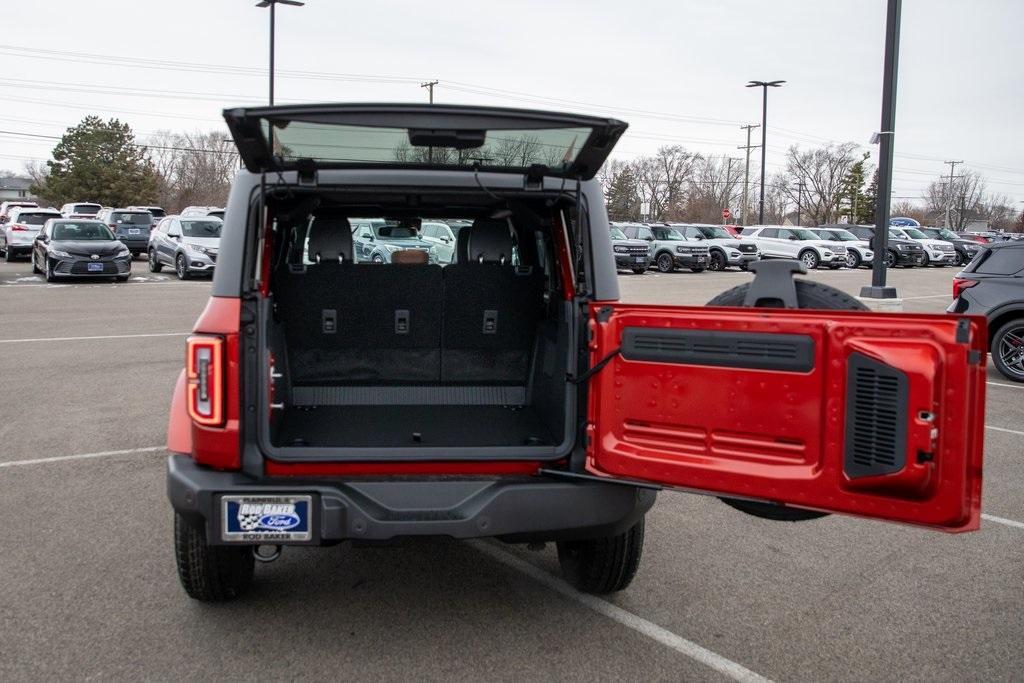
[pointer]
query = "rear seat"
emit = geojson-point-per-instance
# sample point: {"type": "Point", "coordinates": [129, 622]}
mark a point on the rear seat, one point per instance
{"type": "Point", "coordinates": [473, 322]}
{"type": "Point", "coordinates": [491, 309]}
{"type": "Point", "coordinates": [356, 324]}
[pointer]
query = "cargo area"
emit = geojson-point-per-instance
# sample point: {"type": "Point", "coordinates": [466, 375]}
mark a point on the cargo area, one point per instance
{"type": "Point", "coordinates": [420, 346]}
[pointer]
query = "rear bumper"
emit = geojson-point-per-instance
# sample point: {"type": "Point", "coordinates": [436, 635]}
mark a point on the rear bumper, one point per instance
{"type": "Point", "coordinates": [136, 245]}
{"type": "Point", "coordinates": [513, 508]}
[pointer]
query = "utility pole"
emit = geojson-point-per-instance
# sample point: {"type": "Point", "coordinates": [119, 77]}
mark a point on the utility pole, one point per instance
{"type": "Point", "coordinates": [799, 200]}
{"type": "Point", "coordinates": [430, 86]}
{"type": "Point", "coordinates": [746, 170]}
{"type": "Point", "coordinates": [949, 190]}
{"type": "Point", "coordinates": [764, 85]}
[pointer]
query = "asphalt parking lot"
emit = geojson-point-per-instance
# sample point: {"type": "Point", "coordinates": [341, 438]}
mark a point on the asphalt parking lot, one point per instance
{"type": "Point", "coordinates": [91, 589]}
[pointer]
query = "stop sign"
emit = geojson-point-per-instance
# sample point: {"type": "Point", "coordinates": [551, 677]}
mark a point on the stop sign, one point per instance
{"type": "Point", "coordinates": [726, 213]}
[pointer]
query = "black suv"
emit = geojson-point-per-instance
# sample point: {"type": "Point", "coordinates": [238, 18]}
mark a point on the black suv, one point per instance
{"type": "Point", "coordinates": [965, 249]}
{"type": "Point", "coordinates": [901, 252]}
{"type": "Point", "coordinates": [992, 285]}
{"type": "Point", "coordinates": [511, 394]}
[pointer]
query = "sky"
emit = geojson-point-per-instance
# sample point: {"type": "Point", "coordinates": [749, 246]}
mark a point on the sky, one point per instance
{"type": "Point", "coordinates": [675, 71]}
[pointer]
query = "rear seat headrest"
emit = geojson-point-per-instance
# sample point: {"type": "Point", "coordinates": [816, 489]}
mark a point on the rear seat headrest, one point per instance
{"type": "Point", "coordinates": [331, 240]}
{"type": "Point", "coordinates": [490, 241]}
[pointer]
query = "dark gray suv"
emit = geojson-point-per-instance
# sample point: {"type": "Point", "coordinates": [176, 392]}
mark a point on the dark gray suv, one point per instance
{"type": "Point", "coordinates": [630, 254]}
{"type": "Point", "coordinates": [511, 393]}
{"type": "Point", "coordinates": [992, 285]}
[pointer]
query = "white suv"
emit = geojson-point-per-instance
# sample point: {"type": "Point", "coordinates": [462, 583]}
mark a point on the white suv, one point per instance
{"type": "Point", "coordinates": [936, 252]}
{"type": "Point", "coordinates": [780, 241]}
{"type": "Point", "coordinates": [725, 250]}
{"type": "Point", "coordinates": [858, 251]}
{"type": "Point", "coordinates": [19, 232]}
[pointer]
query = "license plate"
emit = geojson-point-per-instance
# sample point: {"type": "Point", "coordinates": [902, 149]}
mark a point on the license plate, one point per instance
{"type": "Point", "coordinates": [640, 259]}
{"type": "Point", "coordinates": [266, 518]}
{"type": "Point", "coordinates": [94, 267]}
{"type": "Point", "coordinates": [133, 231]}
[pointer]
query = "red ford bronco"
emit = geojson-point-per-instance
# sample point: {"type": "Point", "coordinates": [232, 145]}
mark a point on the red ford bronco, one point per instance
{"type": "Point", "coordinates": [328, 396]}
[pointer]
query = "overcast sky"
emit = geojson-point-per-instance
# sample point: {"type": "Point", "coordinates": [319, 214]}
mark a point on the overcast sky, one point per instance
{"type": "Point", "coordinates": [674, 70]}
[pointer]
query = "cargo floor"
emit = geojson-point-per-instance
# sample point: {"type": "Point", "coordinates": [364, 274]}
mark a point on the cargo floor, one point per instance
{"type": "Point", "coordinates": [427, 425]}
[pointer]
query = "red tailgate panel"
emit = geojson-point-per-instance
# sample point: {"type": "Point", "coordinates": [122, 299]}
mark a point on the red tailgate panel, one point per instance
{"type": "Point", "coordinates": [749, 429]}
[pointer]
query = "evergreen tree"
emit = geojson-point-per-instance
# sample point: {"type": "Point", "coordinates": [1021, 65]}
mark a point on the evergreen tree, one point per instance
{"type": "Point", "coordinates": [855, 203]}
{"type": "Point", "coordinates": [622, 197]}
{"type": "Point", "coordinates": [867, 215]}
{"type": "Point", "coordinates": [98, 161]}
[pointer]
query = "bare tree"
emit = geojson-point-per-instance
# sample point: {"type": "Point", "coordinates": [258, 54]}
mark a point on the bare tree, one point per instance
{"type": "Point", "coordinates": [823, 171]}
{"type": "Point", "coordinates": [910, 210]}
{"type": "Point", "coordinates": [964, 195]}
{"type": "Point", "coordinates": [777, 202]}
{"type": "Point", "coordinates": [715, 185]}
{"type": "Point", "coordinates": [192, 167]}
{"type": "Point", "coordinates": [661, 180]}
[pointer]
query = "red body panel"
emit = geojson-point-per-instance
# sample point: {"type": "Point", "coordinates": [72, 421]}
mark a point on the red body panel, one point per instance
{"type": "Point", "coordinates": [220, 447]}
{"type": "Point", "coordinates": [779, 436]}
{"type": "Point", "coordinates": [179, 426]}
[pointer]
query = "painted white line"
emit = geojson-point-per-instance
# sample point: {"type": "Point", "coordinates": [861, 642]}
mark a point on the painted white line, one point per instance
{"type": "Point", "coordinates": [81, 456]}
{"type": "Point", "coordinates": [1008, 386]}
{"type": "Point", "coordinates": [1004, 429]}
{"type": "Point", "coordinates": [700, 654]}
{"type": "Point", "coordinates": [1003, 520]}
{"type": "Point", "coordinates": [930, 296]}
{"type": "Point", "coordinates": [104, 336]}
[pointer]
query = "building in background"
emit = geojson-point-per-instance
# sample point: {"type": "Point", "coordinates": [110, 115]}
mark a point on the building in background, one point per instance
{"type": "Point", "coordinates": [14, 188]}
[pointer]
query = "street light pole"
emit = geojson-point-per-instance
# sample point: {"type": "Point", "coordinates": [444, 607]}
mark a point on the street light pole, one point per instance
{"type": "Point", "coordinates": [764, 85]}
{"type": "Point", "coordinates": [272, 4]}
{"type": "Point", "coordinates": [878, 288]}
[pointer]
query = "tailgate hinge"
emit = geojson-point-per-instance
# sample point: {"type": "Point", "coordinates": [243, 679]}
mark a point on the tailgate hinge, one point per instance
{"type": "Point", "coordinates": [773, 284]}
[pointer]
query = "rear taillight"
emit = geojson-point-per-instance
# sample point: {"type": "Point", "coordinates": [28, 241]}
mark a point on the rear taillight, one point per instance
{"type": "Point", "coordinates": [960, 284]}
{"type": "Point", "coordinates": [19, 228]}
{"type": "Point", "coordinates": [205, 376]}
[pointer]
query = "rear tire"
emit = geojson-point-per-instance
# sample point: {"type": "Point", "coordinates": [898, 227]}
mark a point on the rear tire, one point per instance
{"type": "Point", "coordinates": [1008, 350]}
{"type": "Point", "coordinates": [35, 268]}
{"type": "Point", "coordinates": [210, 573]}
{"type": "Point", "coordinates": [154, 265]}
{"type": "Point", "coordinates": [9, 255]}
{"type": "Point", "coordinates": [665, 263]}
{"type": "Point", "coordinates": [603, 565]}
{"type": "Point", "coordinates": [808, 295]}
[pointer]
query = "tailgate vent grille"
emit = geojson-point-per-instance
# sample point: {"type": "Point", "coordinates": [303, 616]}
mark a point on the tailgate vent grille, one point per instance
{"type": "Point", "coordinates": [750, 350]}
{"type": "Point", "coordinates": [876, 418]}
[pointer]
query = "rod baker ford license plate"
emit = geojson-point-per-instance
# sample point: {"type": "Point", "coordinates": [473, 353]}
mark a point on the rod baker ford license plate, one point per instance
{"type": "Point", "coordinates": [266, 518]}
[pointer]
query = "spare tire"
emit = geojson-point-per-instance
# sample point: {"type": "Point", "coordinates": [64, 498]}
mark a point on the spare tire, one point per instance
{"type": "Point", "coordinates": [808, 295]}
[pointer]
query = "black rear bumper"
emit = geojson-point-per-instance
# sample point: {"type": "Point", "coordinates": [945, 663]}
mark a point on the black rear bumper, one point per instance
{"type": "Point", "coordinates": [378, 509]}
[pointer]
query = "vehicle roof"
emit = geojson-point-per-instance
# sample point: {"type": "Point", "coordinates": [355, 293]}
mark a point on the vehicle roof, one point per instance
{"type": "Point", "coordinates": [33, 209]}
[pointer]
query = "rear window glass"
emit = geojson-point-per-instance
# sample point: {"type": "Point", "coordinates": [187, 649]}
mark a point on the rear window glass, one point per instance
{"type": "Point", "coordinates": [1001, 262]}
{"type": "Point", "coordinates": [34, 218]}
{"type": "Point", "coordinates": [199, 228]}
{"type": "Point", "coordinates": [132, 218]}
{"type": "Point", "coordinates": [86, 208]}
{"type": "Point", "coordinates": [332, 143]}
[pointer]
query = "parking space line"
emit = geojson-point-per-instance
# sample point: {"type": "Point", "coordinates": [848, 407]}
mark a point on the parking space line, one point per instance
{"type": "Point", "coordinates": [103, 336]}
{"type": "Point", "coordinates": [1003, 520]}
{"type": "Point", "coordinates": [1008, 386]}
{"type": "Point", "coordinates": [1004, 429]}
{"type": "Point", "coordinates": [81, 456]}
{"type": "Point", "coordinates": [929, 296]}
{"type": "Point", "coordinates": [702, 655]}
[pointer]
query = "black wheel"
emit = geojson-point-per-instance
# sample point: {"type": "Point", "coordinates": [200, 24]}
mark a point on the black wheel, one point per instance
{"type": "Point", "coordinates": [745, 266]}
{"type": "Point", "coordinates": [697, 270]}
{"type": "Point", "coordinates": [1008, 350]}
{"type": "Point", "coordinates": [890, 258]}
{"type": "Point", "coordinates": [961, 258]}
{"type": "Point", "coordinates": [639, 271]}
{"type": "Point", "coordinates": [136, 254]}
{"type": "Point", "coordinates": [810, 259]}
{"type": "Point", "coordinates": [210, 573]}
{"type": "Point", "coordinates": [35, 268]}
{"type": "Point", "coordinates": [717, 261]}
{"type": "Point", "coordinates": [927, 260]}
{"type": "Point", "coordinates": [154, 265]}
{"type": "Point", "coordinates": [808, 295]}
{"type": "Point", "coordinates": [377, 258]}
{"type": "Point", "coordinates": [602, 565]}
{"type": "Point", "coordinates": [48, 268]}
{"type": "Point", "coordinates": [852, 259]}
{"type": "Point", "coordinates": [180, 267]}
{"type": "Point", "coordinates": [9, 255]}
{"type": "Point", "coordinates": [665, 263]}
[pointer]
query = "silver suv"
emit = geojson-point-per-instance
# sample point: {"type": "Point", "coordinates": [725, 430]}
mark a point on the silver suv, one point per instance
{"type": "Point", "coordinates": [670, 249]}
{"type": "Point", "coordinates": [189, 244]}
{"type": "Point", "coordinates": [724, 250]}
